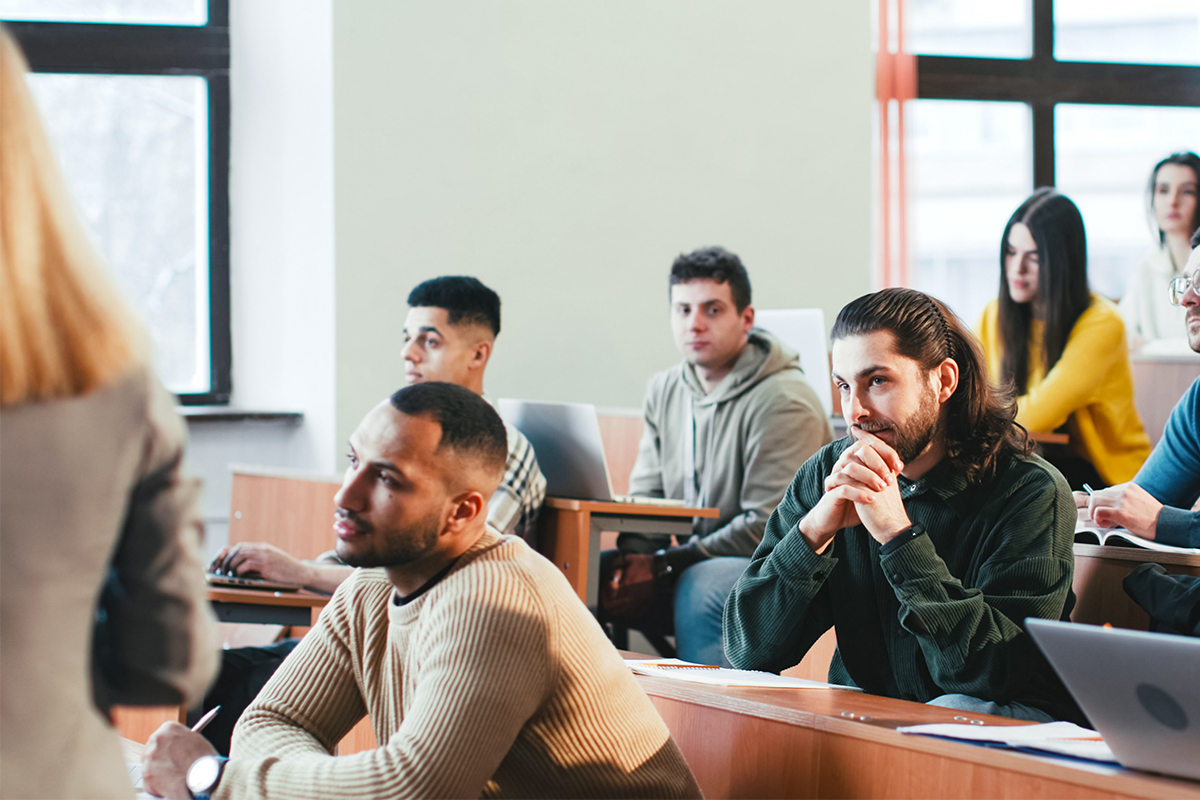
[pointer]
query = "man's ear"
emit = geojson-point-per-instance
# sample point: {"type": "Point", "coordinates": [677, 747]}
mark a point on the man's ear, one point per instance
{"type": "Point", "coordinates": [946, 376]}
{"type": "Point", "coordinates": [480, 353]}
{"type": "Point", "coordinates": [466, 508]}
{"type": "Point", "coordinates": [747, 318]}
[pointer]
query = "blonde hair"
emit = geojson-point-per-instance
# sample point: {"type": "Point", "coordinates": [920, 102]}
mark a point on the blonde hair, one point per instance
{"type": "Point", "coordinates": [64, 328]}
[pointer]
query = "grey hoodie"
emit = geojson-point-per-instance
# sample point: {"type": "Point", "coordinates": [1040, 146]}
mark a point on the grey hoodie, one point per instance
{"type": "Point", "coordinates": [752, 433]}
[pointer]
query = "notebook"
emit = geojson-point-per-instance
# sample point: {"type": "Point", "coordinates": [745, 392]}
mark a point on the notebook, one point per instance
{"type": "Point", "coordinates": [1140, 690]}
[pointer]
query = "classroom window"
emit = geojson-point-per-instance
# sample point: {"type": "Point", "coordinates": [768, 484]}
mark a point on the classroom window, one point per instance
{"type": "Point", "coordinates": [1085, 95]}
{"type": "Point", "coordinates": [138, 113]}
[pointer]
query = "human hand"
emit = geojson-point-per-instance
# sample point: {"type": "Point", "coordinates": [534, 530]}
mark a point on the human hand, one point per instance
{"type": "Point", "coordinates": [1127, 505]}
{"type": "Point", "coordinates": [169, 753]}
{"type": "Point", "coordinates": [632, 584]}
{"type": "Point", "coordinates": [262, 560]}
{"type": "Point", "coordinates": [859, 473]}
{"type": "Point", "coordinates": [875, 466]}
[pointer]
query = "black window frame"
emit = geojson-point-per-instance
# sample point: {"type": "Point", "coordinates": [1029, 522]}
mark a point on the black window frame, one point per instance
{"type": "Point", "coordinates": [203, 51]}
{"type": "Point", "coordinates": [1042, 82]}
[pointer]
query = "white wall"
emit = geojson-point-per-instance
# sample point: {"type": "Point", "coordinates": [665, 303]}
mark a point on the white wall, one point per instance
{"type": "Point", "coordinates": [282, 239]}
{"type": "Point", "coordinates": [566, 152]}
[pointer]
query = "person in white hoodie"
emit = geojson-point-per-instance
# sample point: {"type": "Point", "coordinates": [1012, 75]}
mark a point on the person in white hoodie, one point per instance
{"type": "Point", "coordinates": [727, 427]}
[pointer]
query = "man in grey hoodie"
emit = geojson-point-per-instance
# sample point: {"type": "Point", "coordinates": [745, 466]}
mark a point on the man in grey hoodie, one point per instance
{"type": "Point", "coordinates": [728, 427]}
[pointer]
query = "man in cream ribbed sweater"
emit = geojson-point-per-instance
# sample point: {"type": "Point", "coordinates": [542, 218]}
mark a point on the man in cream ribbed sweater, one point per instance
{"type": "Point", "coordinates": [482, 673]}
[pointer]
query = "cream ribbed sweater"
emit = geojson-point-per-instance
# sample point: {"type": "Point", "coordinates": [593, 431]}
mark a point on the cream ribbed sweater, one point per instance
{"type": "Point", "coordinates": [495, 682]}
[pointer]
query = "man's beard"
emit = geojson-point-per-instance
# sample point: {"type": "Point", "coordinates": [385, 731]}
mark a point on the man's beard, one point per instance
{"type": "Point", "coordinates": [396, 548]}
{"type": "Point", "coordinates": [1193, 338]}
{"type": "Point", "coordinates": [912, 436]}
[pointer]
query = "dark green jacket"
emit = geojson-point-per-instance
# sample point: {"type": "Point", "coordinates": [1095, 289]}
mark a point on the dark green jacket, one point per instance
{"type": "Point", "coordinates": [943, 612]}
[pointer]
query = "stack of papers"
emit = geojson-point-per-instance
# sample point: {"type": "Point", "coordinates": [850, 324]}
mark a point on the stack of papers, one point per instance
{"type": "Point", "coordinates": [678, 670]}
{"type": "Point", "coordinates": [1053, 738]}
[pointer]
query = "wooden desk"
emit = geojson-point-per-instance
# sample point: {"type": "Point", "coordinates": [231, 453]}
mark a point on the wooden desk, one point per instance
{"type": "Point", "coordinates": [267, 608]}
{"type": "Point", "coordinates": [1099, 571]}
{"type": "Point", "coordinates": [569, 533]}
{"type": "Point", "coordinates": [797, 744]}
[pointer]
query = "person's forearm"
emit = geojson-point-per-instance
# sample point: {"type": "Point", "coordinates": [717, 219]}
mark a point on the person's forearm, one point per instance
{"type": "Point", "coordinates": [325, 577]}
{"type": "Point", "coordinates": [971, 636]}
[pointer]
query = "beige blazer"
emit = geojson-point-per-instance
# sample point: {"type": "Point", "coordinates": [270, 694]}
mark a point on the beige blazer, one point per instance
{"type": "Point", "coordinates": [85, 483]}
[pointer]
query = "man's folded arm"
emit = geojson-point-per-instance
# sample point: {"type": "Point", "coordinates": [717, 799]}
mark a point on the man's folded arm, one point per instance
{"type": "Point", "coordinates": [777, 610]}
{"type": "Point", "coordinates": [475, 693]}
{"type": "Point", "coordinates": [972, 638]}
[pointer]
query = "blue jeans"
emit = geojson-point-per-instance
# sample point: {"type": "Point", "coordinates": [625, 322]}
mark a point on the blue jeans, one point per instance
{"type": "Point", "coordinates": [976, 706]}
{"type": "Point", "coordinates": [700, 597]}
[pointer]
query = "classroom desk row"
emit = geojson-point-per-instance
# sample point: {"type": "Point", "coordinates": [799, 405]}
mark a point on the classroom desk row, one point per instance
{"type": "Point", "coordinates": [829, 743]}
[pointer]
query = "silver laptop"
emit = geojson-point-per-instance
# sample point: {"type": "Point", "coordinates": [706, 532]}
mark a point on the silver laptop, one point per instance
{"type": "Point", "coordinates": [570, 452]}
{"type": "Point", "coordinates": [1140, 690]}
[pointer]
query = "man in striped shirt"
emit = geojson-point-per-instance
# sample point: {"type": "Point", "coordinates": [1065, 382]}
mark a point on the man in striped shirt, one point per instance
{"type": "Point", "coordinates": [449, 335]}
{"type": "Point", "coordinates": [925, 538]}
{"type": "Point", "coordinates": [482, 673]}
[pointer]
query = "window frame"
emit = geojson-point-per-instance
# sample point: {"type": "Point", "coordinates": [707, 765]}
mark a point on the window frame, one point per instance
{"type": "Point", "coordinates": [1043, 81]}
{"type": "Point", "coordinates": [130, 49]}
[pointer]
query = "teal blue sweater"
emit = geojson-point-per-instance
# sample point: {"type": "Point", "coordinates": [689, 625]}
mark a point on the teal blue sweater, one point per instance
{"type": "Point", "coordinates": [941, 613]}
{"type": "Point", "coordinates": [1172, 473]}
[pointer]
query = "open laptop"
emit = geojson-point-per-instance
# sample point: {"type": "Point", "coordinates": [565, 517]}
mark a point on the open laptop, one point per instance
{"type": "Point", "coordinates": [570, 452]}
{"type": "Point", "coordinates": [1140, 690]}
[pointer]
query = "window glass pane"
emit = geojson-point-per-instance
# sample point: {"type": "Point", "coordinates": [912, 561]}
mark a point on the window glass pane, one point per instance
{"type": "Point", "coordinates": [995, 29]}
{"type": "Point", "coordinates": [970, 167]}
{"type": "Point", "coordinates": [1145, 32]}
{"type": "Point", "coordinates": [135, 153]}
{"type": "Point", "coordinates": [132, 12]}
{"type": "Point", "coordinates": [1104, 157]}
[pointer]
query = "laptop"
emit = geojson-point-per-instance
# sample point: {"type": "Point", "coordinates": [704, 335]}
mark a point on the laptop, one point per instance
{"type": "Point", "coordinates": [1141, 690]}
{"type": "Point", "coordinates": [237, 582]}
{"type": "Point", "coordinates": [570, 452]}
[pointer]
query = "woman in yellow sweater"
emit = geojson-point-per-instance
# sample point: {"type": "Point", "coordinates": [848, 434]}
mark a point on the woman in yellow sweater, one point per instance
{"type": "Point", "coordinates": [1061, 347]}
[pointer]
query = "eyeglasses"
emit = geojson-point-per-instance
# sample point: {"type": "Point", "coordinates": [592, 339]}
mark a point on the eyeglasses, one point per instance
{"type": "Point", "coordinates": [1180, 285]}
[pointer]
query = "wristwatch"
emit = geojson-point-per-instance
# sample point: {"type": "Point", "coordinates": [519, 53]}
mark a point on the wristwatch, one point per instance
{"type": "Point", "coordinates": [204, 774]}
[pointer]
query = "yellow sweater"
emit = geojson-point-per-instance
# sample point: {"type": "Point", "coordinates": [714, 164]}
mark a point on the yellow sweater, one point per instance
{"type": "Point", "coordinates": [496, 682]}
{"type": "Point", "coordinates": [1090, 389]}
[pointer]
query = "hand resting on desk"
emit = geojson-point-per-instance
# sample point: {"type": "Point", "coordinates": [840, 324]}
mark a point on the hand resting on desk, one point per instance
{"type": "Point", "coordinates": [1125, 505]}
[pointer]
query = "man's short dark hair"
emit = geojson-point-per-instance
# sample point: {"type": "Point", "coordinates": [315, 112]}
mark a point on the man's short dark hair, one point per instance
{"type": "Point", "coordinates": [465, 299]}
{"type": "Point", "coordinates": [714, 263]}
{"type": "Point", "coordinates": [470, 426]}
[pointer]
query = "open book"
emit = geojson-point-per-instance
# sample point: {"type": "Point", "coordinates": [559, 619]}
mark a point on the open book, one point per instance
{"type": "Point", "coordinates": [1091, 533]}
{"type": "Point", "coordinates": [678, 670]}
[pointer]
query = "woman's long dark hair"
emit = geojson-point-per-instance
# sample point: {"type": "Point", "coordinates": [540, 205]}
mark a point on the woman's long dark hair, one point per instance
{"type": "Point", "coordinates": [979, 419]}
{"type": "Point", "coordinates": [1062, 291]}
{"type": "Point", "coordinates": [1184, 158]}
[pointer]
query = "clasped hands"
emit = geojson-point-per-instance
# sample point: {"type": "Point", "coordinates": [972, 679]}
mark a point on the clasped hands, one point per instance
{"type": "Point", "coordinates": [862, 488]}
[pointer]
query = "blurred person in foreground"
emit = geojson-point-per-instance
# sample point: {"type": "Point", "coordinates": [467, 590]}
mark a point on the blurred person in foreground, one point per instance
{"type": "Point", "coordinates": [102, 595]}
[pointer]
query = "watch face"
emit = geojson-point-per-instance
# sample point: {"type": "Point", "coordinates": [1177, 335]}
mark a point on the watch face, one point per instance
{"type": "Point", "coordinates": [203, 774]}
